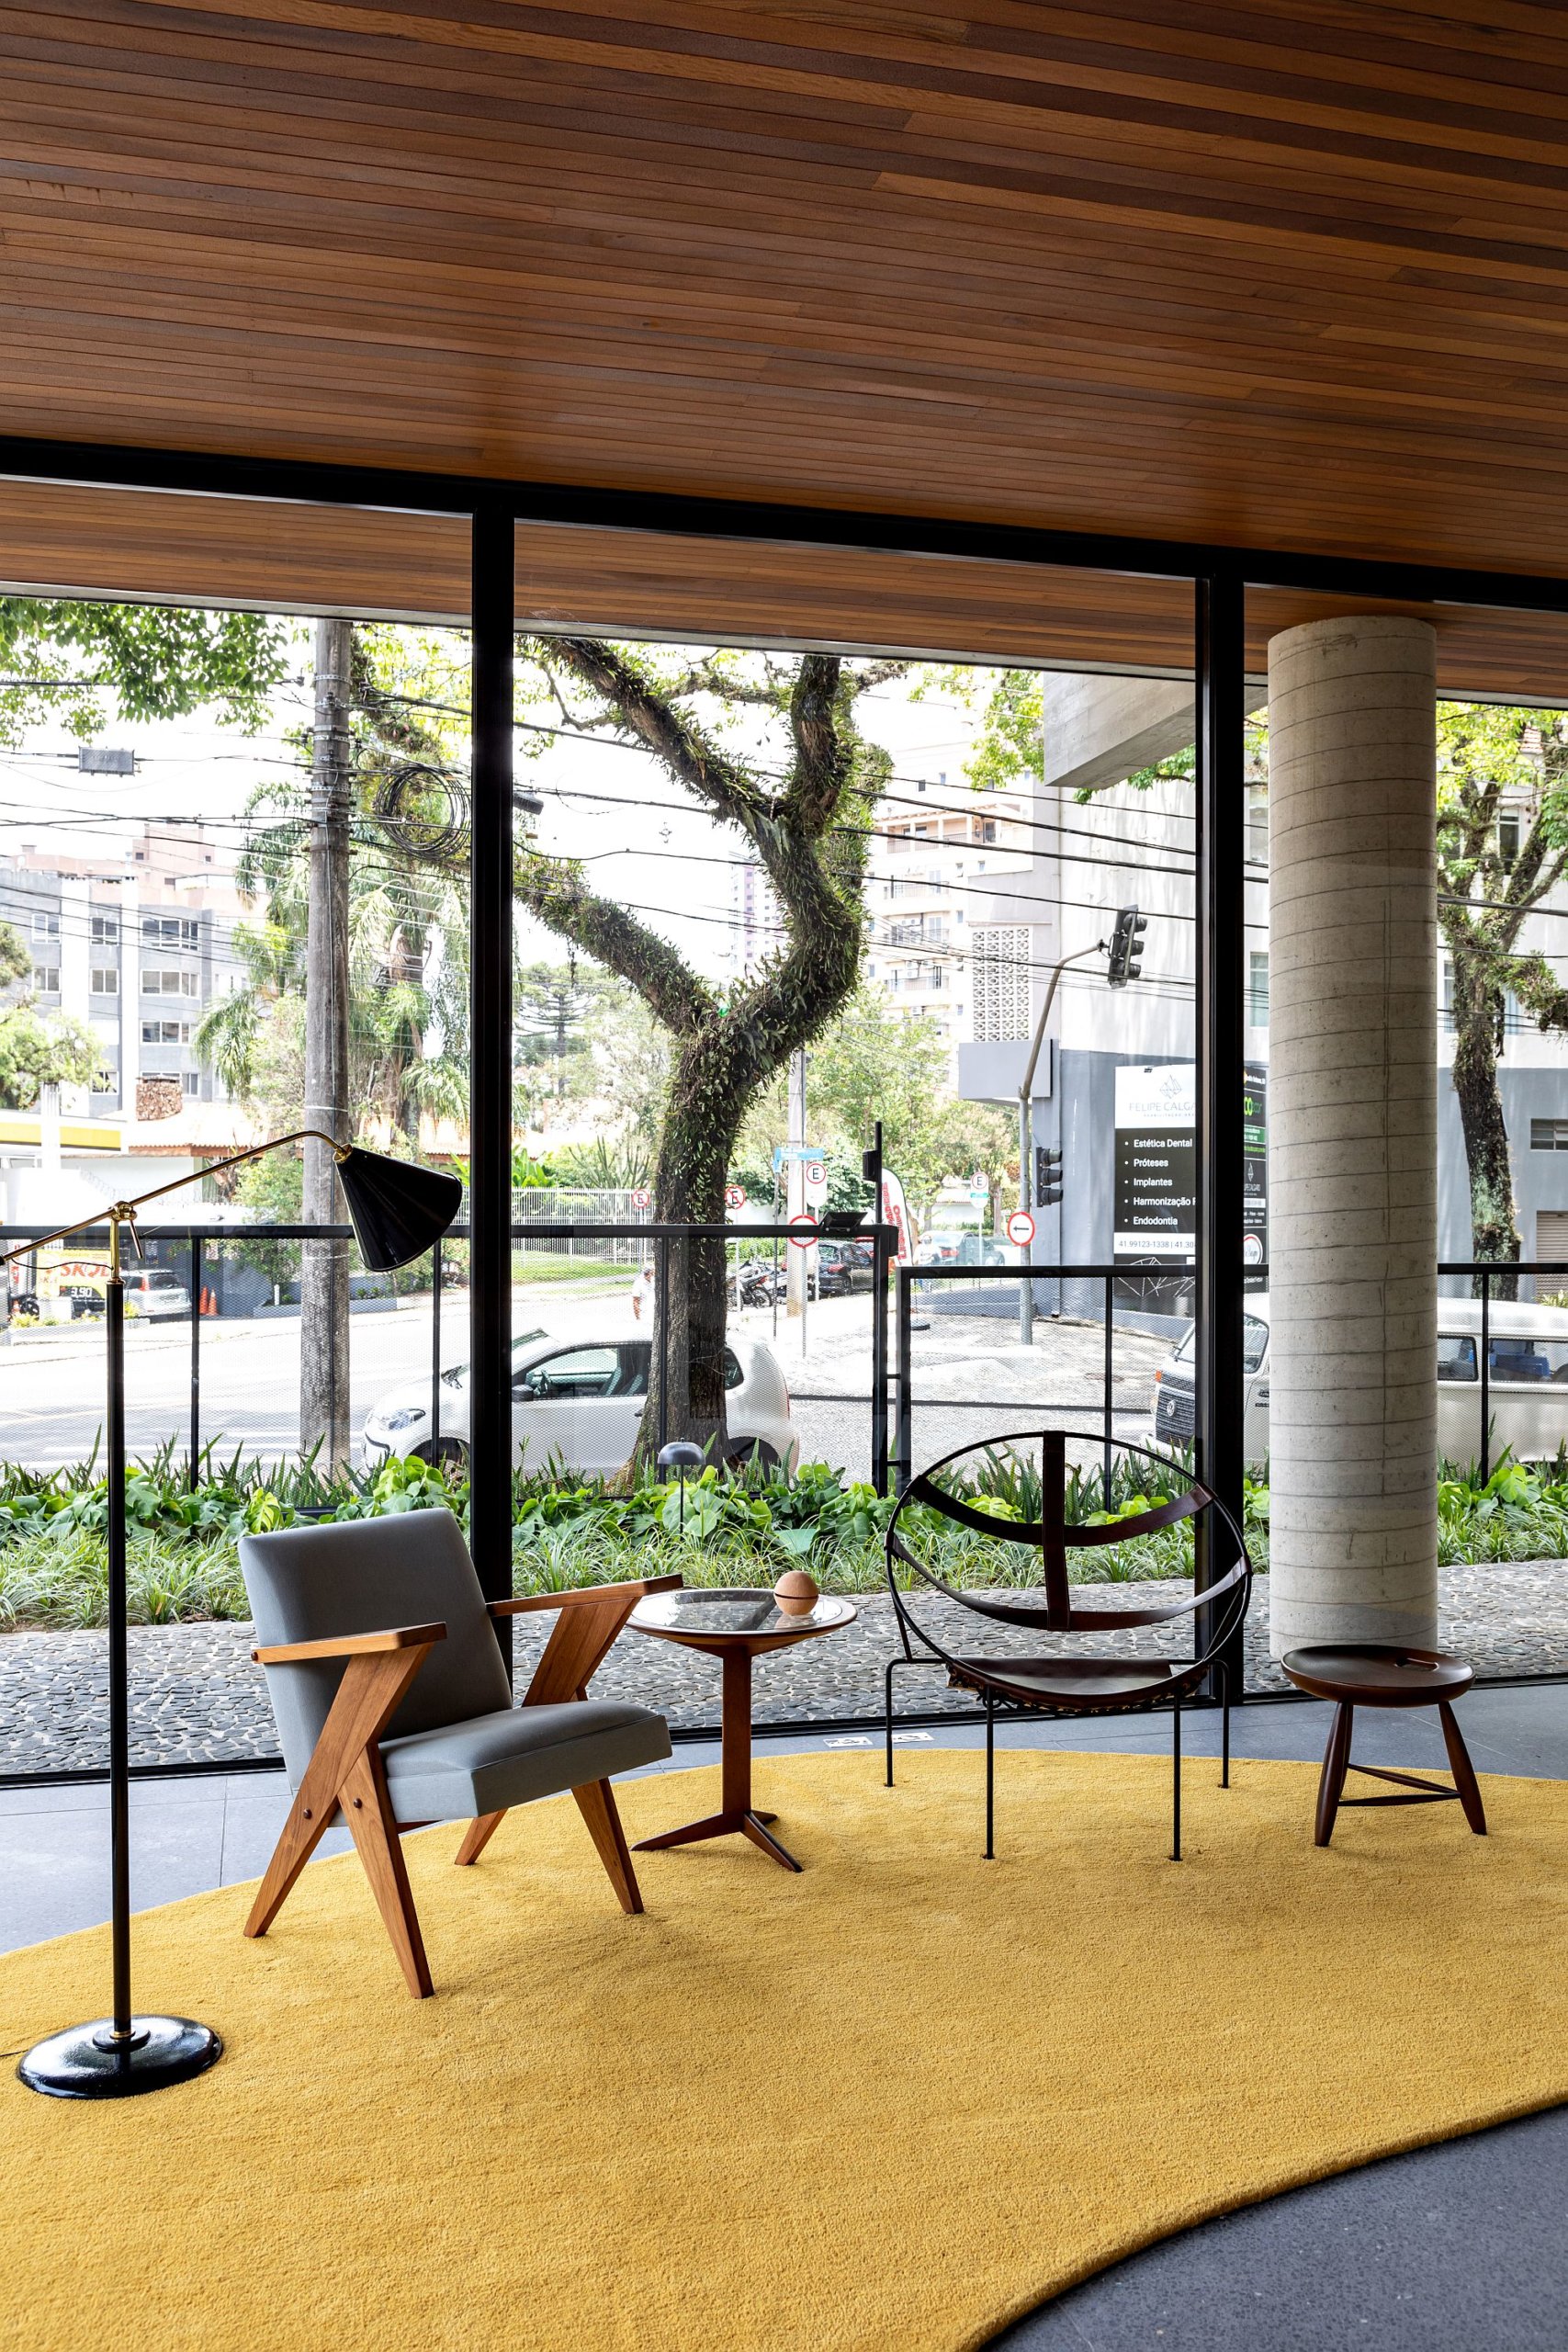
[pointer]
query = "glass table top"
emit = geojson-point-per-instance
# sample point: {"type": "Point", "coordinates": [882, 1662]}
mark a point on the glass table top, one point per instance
{"type": "Point", "coordinates": [717, 1610]}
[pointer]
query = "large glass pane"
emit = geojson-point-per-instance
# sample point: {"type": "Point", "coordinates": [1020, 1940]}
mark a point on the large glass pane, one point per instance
{"type": "Point", "coordinates": [233, 902]}
{"type": "Point", "coordinates": [1017, 770]}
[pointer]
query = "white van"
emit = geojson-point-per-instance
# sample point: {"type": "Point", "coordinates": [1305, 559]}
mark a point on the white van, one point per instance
{"type": "Point", "coordinates": [1527, 1393]}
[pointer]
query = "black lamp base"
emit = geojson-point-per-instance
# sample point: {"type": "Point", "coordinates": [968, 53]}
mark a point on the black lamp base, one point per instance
{"type": "Point", "coordinates": [86, 2061]}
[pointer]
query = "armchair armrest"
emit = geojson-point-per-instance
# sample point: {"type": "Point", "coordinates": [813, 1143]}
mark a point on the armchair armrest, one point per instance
{"type": "Point", "coordinates": [394, 1637]}
{"type": "Point", "coordinates": [585, 1596]}
{"type": "Point", "coordinates": [586, 1625]}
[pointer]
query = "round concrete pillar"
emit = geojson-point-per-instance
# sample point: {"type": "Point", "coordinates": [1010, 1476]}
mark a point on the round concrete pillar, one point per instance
{"type": "Point", "coordinates": [1353, 1133]}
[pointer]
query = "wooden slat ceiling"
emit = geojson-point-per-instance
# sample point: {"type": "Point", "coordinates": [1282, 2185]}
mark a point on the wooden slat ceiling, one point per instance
{"type": "Point", "coordinates": [1278, 275]}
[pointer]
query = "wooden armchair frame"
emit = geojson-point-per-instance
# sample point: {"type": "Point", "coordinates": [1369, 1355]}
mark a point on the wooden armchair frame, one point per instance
{"type": "Point", "coordinates": [345, 1772]}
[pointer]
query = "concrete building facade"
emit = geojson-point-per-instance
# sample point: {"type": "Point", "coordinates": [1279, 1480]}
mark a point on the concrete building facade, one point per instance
{"type": "Point", "coordinates": [137, 950]}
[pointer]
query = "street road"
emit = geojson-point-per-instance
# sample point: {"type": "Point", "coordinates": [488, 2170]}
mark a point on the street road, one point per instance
{"type": "Point", "coordinates": [969, 1372]}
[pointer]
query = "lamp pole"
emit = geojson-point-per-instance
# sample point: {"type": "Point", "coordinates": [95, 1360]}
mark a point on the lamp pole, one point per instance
{"type": "Point", "coordinates": [1026, 1127]}
{"type": "Point", "coordinates": [116, 2056]}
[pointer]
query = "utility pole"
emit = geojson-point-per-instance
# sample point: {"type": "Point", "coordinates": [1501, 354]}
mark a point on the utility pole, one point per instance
{"type": "Point", "coordinates": [323, 1284]}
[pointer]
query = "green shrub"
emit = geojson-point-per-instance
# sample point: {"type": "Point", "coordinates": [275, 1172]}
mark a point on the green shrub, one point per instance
{"type": "Point", "coordinates": [183, 1560]}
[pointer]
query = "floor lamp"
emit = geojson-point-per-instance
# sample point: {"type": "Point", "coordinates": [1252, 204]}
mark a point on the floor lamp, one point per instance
{"type": "Point", "coordinates": [398, 1211]}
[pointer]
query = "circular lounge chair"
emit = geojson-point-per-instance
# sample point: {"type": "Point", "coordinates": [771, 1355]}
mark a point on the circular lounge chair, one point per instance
{"type": "Point", "coordinates": [1088, 1682]}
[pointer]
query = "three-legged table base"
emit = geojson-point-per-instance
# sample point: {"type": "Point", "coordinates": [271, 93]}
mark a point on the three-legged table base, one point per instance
{"type": "Point", "coordinates": [739, 1817]}
{"type": "Point", "coordinates": [744, 1823]}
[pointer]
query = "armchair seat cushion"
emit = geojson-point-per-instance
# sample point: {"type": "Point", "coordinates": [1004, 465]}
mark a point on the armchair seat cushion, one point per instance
{"type": "Point", "coordinates": [494, 1761]}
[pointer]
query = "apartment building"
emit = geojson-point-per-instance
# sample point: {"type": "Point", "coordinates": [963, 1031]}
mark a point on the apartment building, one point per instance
{"type": "Point", "coordinates": [938, 850]}
{"type": "Point", "coordinates": [136, 949]}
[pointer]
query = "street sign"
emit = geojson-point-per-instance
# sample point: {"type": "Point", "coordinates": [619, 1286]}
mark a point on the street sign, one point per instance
{"type": "Point", "coordinates": [642, 1198]}
{"type": "Point", "coordinates": [1020, 1228]}
{"type": "Point", "coordinates": [735, 1196]}
{"type": "Point", "coordinates": [979, 1195]}
{"type": "Point", "coordinates": [782, 1151]}
{"type": "Point", "coordinates": [815, 1173]}
{"type": "Point", "coordinates": [802, 1231]}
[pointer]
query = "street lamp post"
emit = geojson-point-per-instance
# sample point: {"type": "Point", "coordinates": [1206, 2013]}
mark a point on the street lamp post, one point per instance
{"type": "Point", "coordinates": [1026, 1131]}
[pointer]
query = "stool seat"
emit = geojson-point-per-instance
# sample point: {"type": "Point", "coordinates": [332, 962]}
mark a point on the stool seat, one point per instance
{"type": "Point", "coordinates": [1377, 1674]}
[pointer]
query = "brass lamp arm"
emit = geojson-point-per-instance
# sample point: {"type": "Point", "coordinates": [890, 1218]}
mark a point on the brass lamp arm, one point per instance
{"type": "Point", "coordinates": [117, 1213]}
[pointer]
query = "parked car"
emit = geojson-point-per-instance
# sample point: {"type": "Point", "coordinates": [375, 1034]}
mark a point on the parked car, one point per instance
{"type": "Point", "coordinates": [580, 1401]}
{"type": "Point", "coordinates": [1527, 1393]}
{"type": "Point", "coordinates": [153, 1291]}
{"type": "Point", "coordinates": [843, 1266]}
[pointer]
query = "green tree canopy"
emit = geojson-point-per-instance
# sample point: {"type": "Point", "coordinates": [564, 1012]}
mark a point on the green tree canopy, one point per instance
{"type": "Point", "coordinates": [66, 663]}
{"type": "Point", "coordinates": [873, 1062]}
{"type": "Point", "coordinates": [39, 1049]}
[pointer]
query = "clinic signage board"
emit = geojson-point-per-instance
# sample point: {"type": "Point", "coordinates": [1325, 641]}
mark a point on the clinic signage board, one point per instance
{"type": "Point", "coordinates": [1156, 1205]}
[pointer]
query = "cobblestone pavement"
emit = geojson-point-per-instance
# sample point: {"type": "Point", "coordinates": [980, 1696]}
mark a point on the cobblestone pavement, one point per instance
{"type": "Point", "coordinates": [196, 1698]}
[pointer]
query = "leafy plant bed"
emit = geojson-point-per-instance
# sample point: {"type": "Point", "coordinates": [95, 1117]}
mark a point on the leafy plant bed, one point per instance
{"type": "Point", "coordinates": [184, 1561]}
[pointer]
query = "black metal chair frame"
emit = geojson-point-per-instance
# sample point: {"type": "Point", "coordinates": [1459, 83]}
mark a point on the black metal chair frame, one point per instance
{"type": "Point", "coordinates": [1168, 1682]}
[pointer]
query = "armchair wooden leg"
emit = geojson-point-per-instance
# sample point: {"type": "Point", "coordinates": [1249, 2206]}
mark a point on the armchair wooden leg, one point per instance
{"type": "Point", "coordinates": [368, 1812]}
{"type": "Point", "coordinates": [596, 1803]}
{"type": "Point", "coordinates": [346, 1771]}
{"type": "Point", "coordinates": [478, 1835]}
{"type": "Point", "coordinates": [300, 1836]}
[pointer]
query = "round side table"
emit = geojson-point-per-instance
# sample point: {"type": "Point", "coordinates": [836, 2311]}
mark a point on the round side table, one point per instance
{"type": "Point", "coordinates": [735, 1625]}
{"type": "Point", "coordinates": [1382, 1674]}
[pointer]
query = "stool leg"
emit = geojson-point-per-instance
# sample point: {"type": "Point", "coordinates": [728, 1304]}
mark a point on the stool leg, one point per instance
{"type": "Point", "coordinates": [1462, 1770]}
{"type": "Point", "coordinates": [991, 1773]}
{"type": "Point", "coordinates": [1336, 1759]}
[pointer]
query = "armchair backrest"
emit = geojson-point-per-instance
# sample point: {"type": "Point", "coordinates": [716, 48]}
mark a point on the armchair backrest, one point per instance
{"type": "Point", "coordinates": [358, 1576]}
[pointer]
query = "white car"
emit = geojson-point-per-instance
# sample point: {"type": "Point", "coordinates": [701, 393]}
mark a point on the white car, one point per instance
{"type": "Point", "coordinates": [154, 1291]}
{"type": "Point", "coordinates": [578, 1402]}
{"type": "Point", "coordinates": [1526, 1386]}
{"type": "Point", "coordinates": [152, 1294]}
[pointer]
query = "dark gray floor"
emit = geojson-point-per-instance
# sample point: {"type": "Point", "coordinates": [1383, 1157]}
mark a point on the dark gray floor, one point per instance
{"type": "Point", "coordinates": [1461, 2249]}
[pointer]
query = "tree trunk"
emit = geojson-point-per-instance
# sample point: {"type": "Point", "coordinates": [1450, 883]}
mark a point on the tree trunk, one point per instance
{"type": "Point", "coordinates": [709, 1091]}
{"type": "Point", "coordinates": [323, 1287]}
{"type": "Point", "coordinates": [1494, 1233]}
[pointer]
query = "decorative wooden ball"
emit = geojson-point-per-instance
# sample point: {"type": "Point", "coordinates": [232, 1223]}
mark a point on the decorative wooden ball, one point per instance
{"type": "Point", "coordinates": [797, 1593]}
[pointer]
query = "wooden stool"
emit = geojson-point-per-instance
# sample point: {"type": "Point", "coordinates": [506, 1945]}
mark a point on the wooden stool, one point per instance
{"type": "Point", "coordinates": [1382, 1674]}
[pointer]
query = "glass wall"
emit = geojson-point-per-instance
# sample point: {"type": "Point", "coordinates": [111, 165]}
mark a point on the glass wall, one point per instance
{"type": "Point", "coordinates": [234, 903]}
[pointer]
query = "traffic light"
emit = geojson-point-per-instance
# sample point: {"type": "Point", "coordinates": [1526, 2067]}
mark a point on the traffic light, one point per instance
{"type": "Point", "coordinates": [1047, 1177]}
{"type": "Point", "coordinates": [1127, 947]}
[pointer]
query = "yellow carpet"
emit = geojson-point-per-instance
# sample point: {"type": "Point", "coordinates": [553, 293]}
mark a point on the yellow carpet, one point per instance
{"type": "Point", "coordinates": [888, 2104]}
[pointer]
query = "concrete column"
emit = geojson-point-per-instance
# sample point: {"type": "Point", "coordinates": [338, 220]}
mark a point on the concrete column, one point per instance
{"type": "Point", "coordinates": [1353, 1132]}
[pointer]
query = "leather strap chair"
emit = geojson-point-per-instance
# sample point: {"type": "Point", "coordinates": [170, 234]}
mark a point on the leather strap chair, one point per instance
{"type": "Point", "coordinates": [394, 1707]}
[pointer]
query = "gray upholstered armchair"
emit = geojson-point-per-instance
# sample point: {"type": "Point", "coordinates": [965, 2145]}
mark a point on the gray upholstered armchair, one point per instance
{"type": "Point", "coordinates": [394, 1707]}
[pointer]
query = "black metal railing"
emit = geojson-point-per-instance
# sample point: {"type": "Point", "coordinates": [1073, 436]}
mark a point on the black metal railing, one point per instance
{"type": "Point", "coordinates": [915, 1278]}
{"type": "Point", "coordinates": [194, 1242]}
{"type": "Point", "coordinates": [1483, 1275]}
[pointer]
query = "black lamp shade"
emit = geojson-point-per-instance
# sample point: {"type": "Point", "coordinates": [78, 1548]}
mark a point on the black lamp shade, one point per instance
{"type": "Point", "coordinates": [399, 1210]}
